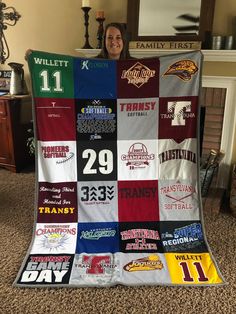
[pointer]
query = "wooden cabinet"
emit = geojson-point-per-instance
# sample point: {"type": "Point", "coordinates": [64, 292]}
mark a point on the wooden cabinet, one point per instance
{"type": "Point", "coordinates": [15, 120]}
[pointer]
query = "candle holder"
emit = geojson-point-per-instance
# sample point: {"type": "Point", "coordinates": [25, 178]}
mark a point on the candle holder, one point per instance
{"type": "Point", "coordinates": [100, 31]}
{"type": "Point", "coordinates": [8, 17]}
{"type": "Point", "coordinates": [86, 24]}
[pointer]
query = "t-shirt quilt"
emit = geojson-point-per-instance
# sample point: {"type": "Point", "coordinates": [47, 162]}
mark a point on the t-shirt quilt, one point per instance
{"type": "Point", "coordinates": [117, 173]}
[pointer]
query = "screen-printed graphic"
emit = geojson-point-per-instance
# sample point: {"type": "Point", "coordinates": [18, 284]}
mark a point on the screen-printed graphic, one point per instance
{"type": "Point", "coordinates": [183, 236]}
{"type": "Point", "coordinates": [183, 69]}
{"type": "Point", "coordinates": [97, 201]}
{"type": "Point", "coordinates": [138, 79]}
{"type": "Point", "coordinates": [57, 202]}
{"type": "Point", "coordinates": [54, 238]}
{"type": "Point", "coordinates": [98, 237]}
{"type": "Point", "coordinates": [52, 76]}
{"type": "Point", "coordinates": [178, 200]}
{"type": "Point", "coordinates": [97, 160]}
{"type": "Point", "coordinates": [152, 266]}
{"type": "Point", "coordinates": [92, 79]}
{"type": "Point", "coordinates": [138, 200]}
{"type": "Point", "coordinates": [180, 75]}
{"type": "Point", "coordinates": [137, 118]}
{"type": "Point", "coordinates": [140, 237]}
{"type": "Point", "coordinates": [100, 269]}
{"type": "Point", "coordinates": [47, 269]}
{"type": "Point", "coordinates": [192, 269]}
{"type": "Point", "coordinates": [55, 119]}
{"type": "Point", "coordinates": [57, 161]}
{"type": "Point", "coordinates": [177, 160]}
{"type": "Point", "coordinates": [137, 160]}
{"type": "Point", "coordinates": [178, 118]}
{"type": "Point", "coordinates": [96, 119]}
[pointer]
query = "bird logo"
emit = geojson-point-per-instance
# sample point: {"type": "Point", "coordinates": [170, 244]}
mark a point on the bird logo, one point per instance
{"type": "Point", "coordinates": [184, 69]}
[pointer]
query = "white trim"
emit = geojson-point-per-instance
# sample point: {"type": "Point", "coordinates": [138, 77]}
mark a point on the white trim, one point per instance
{"type": "Point", "coordinates": [227, 138]}
{"type": "Point", "coordinates": [219, 55]}
{"type": "Point", "coordinates": [209, 55]}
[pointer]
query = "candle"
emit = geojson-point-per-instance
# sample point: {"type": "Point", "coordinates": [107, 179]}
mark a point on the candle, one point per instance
{"type": "Point", "coordinates": [100, 15]}
{"type": "Point", "coordinates": [86, 3]}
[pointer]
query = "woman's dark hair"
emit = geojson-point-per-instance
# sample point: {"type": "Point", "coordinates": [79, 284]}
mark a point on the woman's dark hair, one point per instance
{"type": "Point", "coordinates": [125, 51]}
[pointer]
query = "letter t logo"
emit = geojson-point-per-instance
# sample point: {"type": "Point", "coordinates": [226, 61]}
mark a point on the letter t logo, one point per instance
{"type": "Point", "coordinates": [96, 263]}
{"type": "Point", "coordinates": [176, 108]}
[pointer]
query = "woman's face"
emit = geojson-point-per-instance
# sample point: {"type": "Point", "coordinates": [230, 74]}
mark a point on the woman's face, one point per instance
{"type": "Point", "coordinates": [114, 42]}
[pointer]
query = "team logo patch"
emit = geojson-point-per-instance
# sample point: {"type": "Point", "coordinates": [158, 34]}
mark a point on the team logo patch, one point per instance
{"type": "Point", "coordinates": [152, 262]}
{"type": "Point", "coordinates": [95, 119]}
{"type": "Point", "coordinates": [52, 269]}
{"type": "Point", "coordinates": [54, 241]}
{"type": "Point", "coordinates": [173, 154]}
{"type": "Point", "coordinates": [97, 237]}
{"type": "Point", "coordinates": [141, 237]}
{"type": "Point", "coordinates": [138, 192]}
{"type": "Point", "coordinates": [95, 265]}
{"type": "Point", "coordinates": [54, 113]}
{"type": "Point", "coordinates": [99, 269]}
{"type": "Point", "coordinates": [178, 112]}
{"type": "Point", "coordinates": [184, 69]}
{"type": "Point", "coordinates": [88, 65]}
{"type": "Point", "coordinates": [57, 202]}
{"type": "Point", "coordinates": [138, 156]}
{"type": "Point", "coordinates": [138, 74]}
{"type": "Point", "coordinates": [101, 194]}
{"type": "Point", "coordinates": [139, 108]}
{"type": "Point", "coordinates": [58, 238]}
{"type": "Point", "coordinates": [96, 234]}
{"type": "Point", "coordinates": [61, 153]}
{"type": "Point", "coordinates": [183, 238]}
{"type": "Point", "coordinates": [178, 195]}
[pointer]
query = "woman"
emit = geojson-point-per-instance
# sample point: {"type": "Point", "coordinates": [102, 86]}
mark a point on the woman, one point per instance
{"type": "Point", "coordinates": [115, 44]}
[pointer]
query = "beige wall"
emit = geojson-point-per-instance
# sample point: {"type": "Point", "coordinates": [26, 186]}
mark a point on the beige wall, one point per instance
{"type": "Point", "coordinates": [224, 24]}
{"type": "Point", "coordinates": [57, 26]}
{"type": "Point", "coordinates": [224, 17]}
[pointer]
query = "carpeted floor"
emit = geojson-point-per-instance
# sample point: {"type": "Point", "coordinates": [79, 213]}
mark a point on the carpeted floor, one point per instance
{"type": "Point", "coordinates": [16, 222]}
